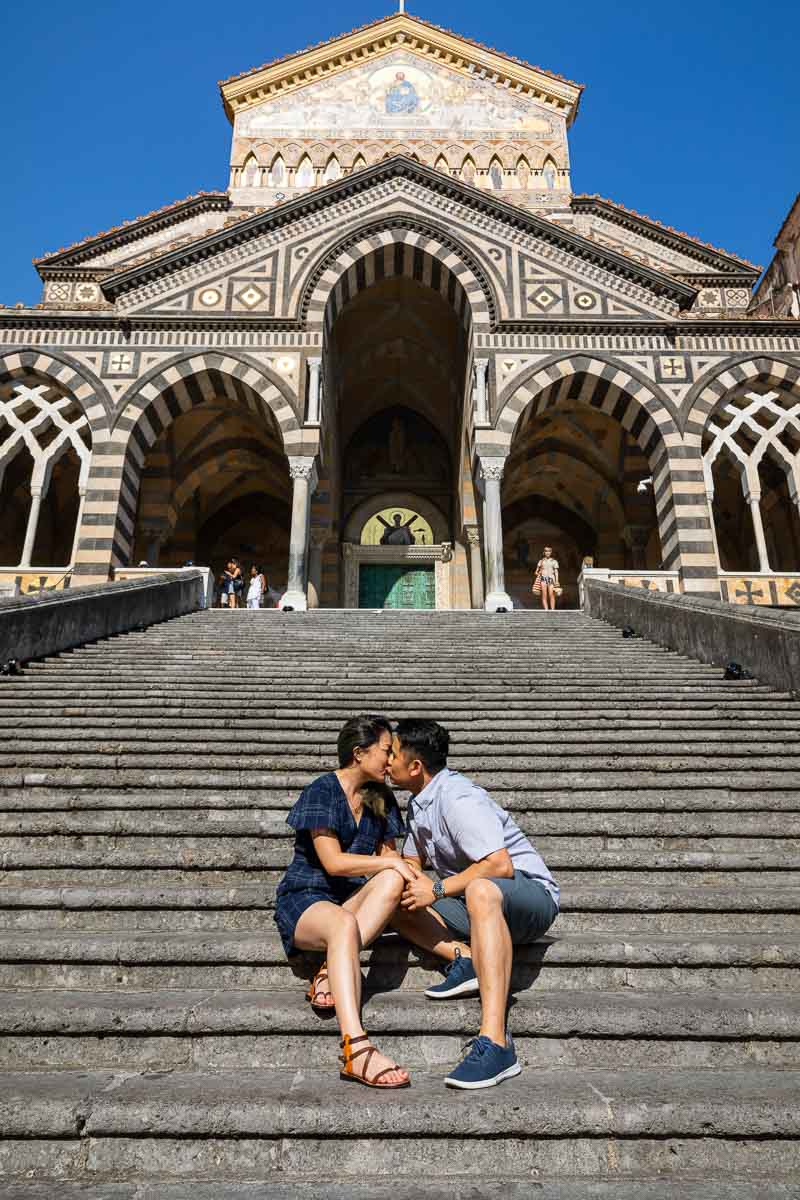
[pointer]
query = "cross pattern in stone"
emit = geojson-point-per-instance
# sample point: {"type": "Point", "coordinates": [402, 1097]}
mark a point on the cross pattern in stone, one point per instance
{"type": "Point", "coordinates": [673, 366]}
{"type": "Point", "coordinates": [793, 592]}
{"type": "Point", "coordinates": [120, 362]}
{"type": "Point", "coordinates": [749, 591]}
{"type": "Point", "coordinates": [250, 296]}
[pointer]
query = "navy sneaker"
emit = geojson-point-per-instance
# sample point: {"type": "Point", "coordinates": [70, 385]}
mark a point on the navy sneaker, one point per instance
{"type": "Point", "coordinates": [485, 1065]}
{"type": "Point", "coordinates": [460, 980]}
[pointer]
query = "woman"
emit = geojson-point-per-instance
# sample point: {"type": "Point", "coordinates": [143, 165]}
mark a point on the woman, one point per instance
{"type": "Point", "coordinates": [256, 588]}
{"type": "Point", "coordinates": [547, 578]}
{"type": "Point", "coordinates": [237, 585]}
{"type": "Point", "coordinates": [344, 883]}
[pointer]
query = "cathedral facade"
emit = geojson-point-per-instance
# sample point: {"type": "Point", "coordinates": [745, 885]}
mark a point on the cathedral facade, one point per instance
{"type": "Point", "coordinates": [398, 357]}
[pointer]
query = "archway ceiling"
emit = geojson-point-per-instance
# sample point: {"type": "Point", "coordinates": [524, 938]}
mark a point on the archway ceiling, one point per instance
{"type": "Point", "coordinates": [556, 514]}
{"type": "Point", "coordinates": [398, 342]}
{"type": "Point", "coordinates": [573, 486]}
{"type": "Point", "coordinates": [247, 503]}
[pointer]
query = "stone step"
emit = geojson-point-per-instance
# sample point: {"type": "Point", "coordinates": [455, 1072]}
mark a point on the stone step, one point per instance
{"type": "Point", "coordinates": [723, 1017]}
{"type": "Point", "coordinates": [292, 1186]}
{"type": "Point", "coordinates": [607, 883]}
{"type": "Point", "coordinates": [681, 803]}
{"type": "Point", "coordinates": [130, 738]}
{"type": "Point", "coordinates": [216, 851]}
{"type": "Point", "coordinates": [85, 893]}
{"type": "Point", "coordinates": [691, 827]}
{"type": "Point", "coordinates": [627, 1104]}
{"type": "Point", "coordinates": [555, 950]}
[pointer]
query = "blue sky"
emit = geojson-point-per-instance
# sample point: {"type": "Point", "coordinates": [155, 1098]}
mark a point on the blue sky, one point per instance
{"type": "Point", "coordinates": [690, 113]}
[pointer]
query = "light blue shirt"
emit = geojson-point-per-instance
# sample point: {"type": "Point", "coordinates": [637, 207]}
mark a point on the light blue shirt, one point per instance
{"type": "Point", "coordinates": [453, 823]}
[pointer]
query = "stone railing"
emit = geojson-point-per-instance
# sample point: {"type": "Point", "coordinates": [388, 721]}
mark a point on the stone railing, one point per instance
{"type": "Point", "coordinates": [650, 581]}
{"type": "Point", "coordinates": [766, 643]}
{"type": "Point", "coordinates": [37, 626]}
{"type": "Point", "coordinates": [123, 573]}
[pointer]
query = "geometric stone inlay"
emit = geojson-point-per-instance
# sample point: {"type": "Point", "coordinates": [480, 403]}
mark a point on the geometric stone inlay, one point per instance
{"type": "Point", "coordinates": [544, 298]}
{"type": "Point", "coordinates": [210, 296]}
{"type": "Point", "coordinates": [585, 300]}
{"type": "Point", "coordinates": [250, 296]}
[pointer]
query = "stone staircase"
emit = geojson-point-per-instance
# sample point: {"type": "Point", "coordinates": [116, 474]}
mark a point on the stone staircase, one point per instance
{"type": "Point", "coordinates": [153, 1040]}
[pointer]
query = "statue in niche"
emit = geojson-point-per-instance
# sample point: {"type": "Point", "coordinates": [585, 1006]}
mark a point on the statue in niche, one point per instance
{"type": "Point", "coordinates": [397, 446]}
{"type": "Point", "coordinates": [399, 533]}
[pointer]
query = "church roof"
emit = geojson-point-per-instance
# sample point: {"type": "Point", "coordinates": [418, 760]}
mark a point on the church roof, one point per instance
{"type": "Point", "coordinates": [629, 216]}
{"type": "Point", "coordinates": [303, 66]}
{"type": "Point", "coordinates": [159, 218]}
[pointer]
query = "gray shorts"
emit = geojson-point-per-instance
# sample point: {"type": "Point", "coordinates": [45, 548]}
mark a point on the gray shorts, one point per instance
{"type": "Point", "coordinates": [528, 908]}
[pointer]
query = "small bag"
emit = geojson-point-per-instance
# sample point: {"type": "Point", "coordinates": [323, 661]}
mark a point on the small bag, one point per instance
{"type": "Point", "coordinates": [558, 590]}
{"type": "Point", "coordinates": [537, 586]}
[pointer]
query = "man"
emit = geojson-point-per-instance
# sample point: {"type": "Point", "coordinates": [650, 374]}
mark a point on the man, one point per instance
{"type": "Point", "coordinates": [493, 892]}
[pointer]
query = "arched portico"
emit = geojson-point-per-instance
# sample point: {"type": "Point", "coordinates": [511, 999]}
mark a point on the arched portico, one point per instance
{"type": "Point", "coordinates": [648, 418]}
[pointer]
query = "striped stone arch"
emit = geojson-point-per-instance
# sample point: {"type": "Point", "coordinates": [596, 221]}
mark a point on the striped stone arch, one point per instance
{"type": "Point", "coordinates": [684, 520]}
{"type": "Point", "coordinates": [164, 394]}
{"type": "Point", "coordinates": [63, 373]}
{"type": "Point", "coordinates": [760, 373]}
{"type": "Point", "coordinates": [393, 247]}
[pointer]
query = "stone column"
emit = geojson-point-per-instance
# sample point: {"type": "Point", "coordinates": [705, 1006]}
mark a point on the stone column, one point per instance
{"type": "Point", "coordinates": [303, 472]}
{"type": "Point", "coordinates": [491, 474]}
{"type": "Point", "coordinates": [475, 566]}
{"type": "Point", "coordinates": [33, 525]}
{"type": "Point", "coordinates": [481, 413]}
{"type": "Point", "coordinates": [313, 411]}
{"type": "Point", "coordinates": [76, 539]}
{"type": "Point", "coordinates": [318, 539]}
{"type": "Point", "coordinates": [754, 500]}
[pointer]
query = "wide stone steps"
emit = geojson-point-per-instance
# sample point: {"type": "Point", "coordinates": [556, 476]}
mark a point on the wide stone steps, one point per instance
{"type": "Point", "coordinates": [154, 1042]}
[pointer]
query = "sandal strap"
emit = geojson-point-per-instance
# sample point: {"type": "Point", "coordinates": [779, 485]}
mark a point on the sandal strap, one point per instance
{"type": "Point", "coordinates": [364, 1037]}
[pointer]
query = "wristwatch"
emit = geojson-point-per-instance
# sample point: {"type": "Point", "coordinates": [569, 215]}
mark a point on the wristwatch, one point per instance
{"type": "Point", "coordinates": [438, 890]}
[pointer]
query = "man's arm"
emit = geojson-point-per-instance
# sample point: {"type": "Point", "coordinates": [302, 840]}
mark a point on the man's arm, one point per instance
{"type": "Point", "coordinates": [419, 894]}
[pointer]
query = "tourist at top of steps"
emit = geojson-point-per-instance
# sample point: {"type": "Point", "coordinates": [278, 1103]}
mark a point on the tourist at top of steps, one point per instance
{"type": "Point", "coordinates": [493, 892]}
{"type": "Point", "coordinates": [257, 587]}
{"type": "Point", "coordinates": [343, 884]}
{"type": "Point", "coordinates": [545, 581]}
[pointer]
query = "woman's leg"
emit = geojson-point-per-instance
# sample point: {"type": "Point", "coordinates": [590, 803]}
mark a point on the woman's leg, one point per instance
{"type": "Point", "coordinates": [373, 904]}
{"type": "Point", "coordinates": [550, 596]}
{"type": "Point", "coordinates": [326, 926]}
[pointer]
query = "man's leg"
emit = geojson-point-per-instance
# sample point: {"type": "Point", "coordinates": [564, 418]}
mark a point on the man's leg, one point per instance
{"type": "Point", "coordinates": [426, 929]}
{"type": "Point", "coordinates": [492, 955]}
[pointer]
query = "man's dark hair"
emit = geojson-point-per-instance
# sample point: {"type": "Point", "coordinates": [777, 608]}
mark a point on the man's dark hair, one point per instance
{"type": "Point", "coordinates": [427, 740]}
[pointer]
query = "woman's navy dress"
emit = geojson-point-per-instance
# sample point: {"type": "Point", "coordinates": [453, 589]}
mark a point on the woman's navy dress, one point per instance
{"type": "Point", "coordinates": [323, 805]}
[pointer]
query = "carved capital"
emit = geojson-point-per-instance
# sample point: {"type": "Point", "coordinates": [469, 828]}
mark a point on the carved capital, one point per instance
{"type": "Point", "coordinates": [302, 467]}
{"type": "Point", "coordinates": [491, 468]}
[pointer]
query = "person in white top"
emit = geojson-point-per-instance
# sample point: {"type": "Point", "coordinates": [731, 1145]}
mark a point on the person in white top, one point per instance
{"type": "Point", "coordinates": [257, 587]}
{"type": "Point", "coordinates": [547, 578]}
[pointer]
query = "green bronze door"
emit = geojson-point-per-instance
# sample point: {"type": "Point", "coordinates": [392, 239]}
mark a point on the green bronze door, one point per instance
{"type": "Point", "coordinates": [393, 586]}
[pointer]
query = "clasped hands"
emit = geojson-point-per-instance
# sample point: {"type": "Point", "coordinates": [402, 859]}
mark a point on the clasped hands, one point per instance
{"type": "Point", "coordinates": [418, 890]}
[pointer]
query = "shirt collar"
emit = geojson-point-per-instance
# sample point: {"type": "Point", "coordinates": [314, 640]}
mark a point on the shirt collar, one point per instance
{"type": "Point", "coordinates": [431, 790]}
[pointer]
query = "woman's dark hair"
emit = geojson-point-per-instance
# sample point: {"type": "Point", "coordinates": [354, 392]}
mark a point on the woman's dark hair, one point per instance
{"type": "Point", "coordinates": [359, 733]}
{"type": "Point", "coordinates": [427, 740]}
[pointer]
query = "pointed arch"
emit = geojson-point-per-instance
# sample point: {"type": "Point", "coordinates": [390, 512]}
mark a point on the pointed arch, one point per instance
{"type": "Point", "coordinates": [277, 171]}
{"type": "Point", "coordinates": [251, 172]}
{"type": "Point", "coordinates": [684, 518]}
{"type": "Point", "coordinates": [359, 163]}
{"type": "Point", "coordinates": [442, 165]}
{"type": "Point", "coordinates": [304, 175]}
{"type": "Point", "coordinates": [523, 172]}
{"type": "Point", "coordinates": [398, 245]}
{"type": "Point", "coordinates": [468, 170]}
{"type": "Point", "coordinates": [333, 169]}
{"type": "Point", "coordinates": [496, 175]}
{"type": "Point", "coordinates": [549, 174]}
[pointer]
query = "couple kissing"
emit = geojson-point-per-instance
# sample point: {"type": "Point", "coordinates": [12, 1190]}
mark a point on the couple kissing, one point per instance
{"type": "Point", "coordinates": [348, 881]}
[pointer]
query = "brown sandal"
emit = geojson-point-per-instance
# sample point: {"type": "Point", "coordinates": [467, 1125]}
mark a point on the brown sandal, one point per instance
{"type": "Point", "coordinates": [347, 1044]}
{"type": "Point", "coordinates": [311, 994]}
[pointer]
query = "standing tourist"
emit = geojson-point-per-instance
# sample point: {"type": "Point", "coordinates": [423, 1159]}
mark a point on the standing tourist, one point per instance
{"type": "Point", "coordinates": [257, 587]}
{"type": "Point", "coordinates": [546, 578]}
{"type": "Point", "coordinates": [343, 884]}
{"type": "Point", "coordinates": [493, 892]}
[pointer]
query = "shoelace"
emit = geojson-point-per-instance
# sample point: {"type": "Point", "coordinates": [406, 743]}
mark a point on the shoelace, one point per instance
{"type": "Point", "coordinates": [475, 1047]}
